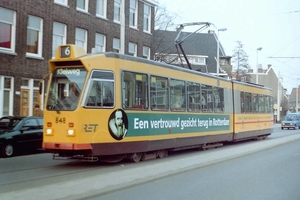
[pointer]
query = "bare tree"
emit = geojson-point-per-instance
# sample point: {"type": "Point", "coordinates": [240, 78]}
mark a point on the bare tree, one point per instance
{"type": "Point", "coordinates": [163, 21]}
{"type": "Point", "coordinates": [240, 62]}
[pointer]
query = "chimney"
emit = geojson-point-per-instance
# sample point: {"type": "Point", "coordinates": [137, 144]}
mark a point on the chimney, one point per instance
{"type": "Point", "coordinates": [259, 66]}
{"type": "Point", "coordinates": [211, 32]}
{"type": "Point", "coordinates": [269, 66]}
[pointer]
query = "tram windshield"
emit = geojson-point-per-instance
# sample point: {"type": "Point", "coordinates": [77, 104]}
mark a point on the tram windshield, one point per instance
{"type": "Point", "coordinates": [65, 88]}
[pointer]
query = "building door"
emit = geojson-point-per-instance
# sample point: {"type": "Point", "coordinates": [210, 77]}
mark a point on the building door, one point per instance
{"type": "Point", "coordinates": [36, 98]}
{"type": "Point", "coordinates": [24, 108]}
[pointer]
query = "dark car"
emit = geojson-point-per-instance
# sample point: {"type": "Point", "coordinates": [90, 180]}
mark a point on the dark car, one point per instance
{"type": "Point", "coordinates": [20, 133]}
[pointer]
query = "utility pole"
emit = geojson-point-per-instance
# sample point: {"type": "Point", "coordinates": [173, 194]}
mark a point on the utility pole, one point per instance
{"type": "Point", "coordinates": [278, 97]}
{"type": "Point", "coordinates": [258, 49]}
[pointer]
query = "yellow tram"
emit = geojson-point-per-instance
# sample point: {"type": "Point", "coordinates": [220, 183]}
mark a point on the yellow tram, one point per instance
{"type": "Point", "coordinates": [108, 104]}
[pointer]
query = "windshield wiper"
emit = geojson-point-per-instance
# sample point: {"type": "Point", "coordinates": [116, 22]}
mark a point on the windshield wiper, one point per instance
{"type": "Point", "coordinates": [56, 108]}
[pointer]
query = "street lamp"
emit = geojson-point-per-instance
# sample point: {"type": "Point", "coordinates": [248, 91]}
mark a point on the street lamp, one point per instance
{"type": "Point", "coordinates": [258, 49]}
{"type": "Point", "coordinates": [218, 50]}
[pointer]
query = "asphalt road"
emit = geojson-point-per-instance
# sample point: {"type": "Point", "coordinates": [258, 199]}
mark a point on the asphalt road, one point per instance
{"type": "Point", "coordinates": [272, 174]}
{"type": "Point", "coordinates": [39, 177]}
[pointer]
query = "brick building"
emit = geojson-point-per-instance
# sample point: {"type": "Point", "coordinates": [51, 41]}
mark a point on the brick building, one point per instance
{"type": "Point", "coordinates": [31, 30]}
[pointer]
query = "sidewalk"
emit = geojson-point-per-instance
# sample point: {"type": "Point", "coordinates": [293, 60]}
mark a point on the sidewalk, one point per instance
{"type": "Point", "coordinates": [276, 125]}
{"type": "Point", "coordinates": [98, 184]}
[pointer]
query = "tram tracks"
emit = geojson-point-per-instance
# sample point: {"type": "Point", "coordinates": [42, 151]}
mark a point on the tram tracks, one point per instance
{"type": "Point", "coordinates": [38, 174]}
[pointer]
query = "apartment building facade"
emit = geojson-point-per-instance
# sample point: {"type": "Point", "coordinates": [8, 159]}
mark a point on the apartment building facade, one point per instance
{"type": "Point", "coordinates": [31, 30]}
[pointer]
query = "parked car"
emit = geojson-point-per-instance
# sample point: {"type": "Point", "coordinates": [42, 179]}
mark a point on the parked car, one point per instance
{"type": "Point", "coordinates": [291, 120]}
{"type": "Point", "coordinates": [20, 133]}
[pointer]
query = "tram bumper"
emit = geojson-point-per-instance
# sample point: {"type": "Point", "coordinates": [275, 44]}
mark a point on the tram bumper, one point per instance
{"type": "Point", "coordinates": [66, 146]}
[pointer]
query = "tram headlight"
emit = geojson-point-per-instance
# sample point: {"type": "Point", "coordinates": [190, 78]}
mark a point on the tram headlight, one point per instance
{"type": "Point", "coordinates": [49, 131]}
{"type": "Point", "coordinates": [71, 132]}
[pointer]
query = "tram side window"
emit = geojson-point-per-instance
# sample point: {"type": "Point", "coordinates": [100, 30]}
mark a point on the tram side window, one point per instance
{"type": "Point", "coordinates": [177, 95]}
{"type": "Point", "coordinates": [207, 98]}
{"type": "Point", "coordinates": [247, 102]}
{"type": "Point", "coordinates": [101, 90]}
{"type": "Point", "coordinates": [261, 103]}
{"type": "Point", "coordinates": [218, 96]}
{"type": "Point", "coordinates": [271, 104]}
{"type": "Point", "coordinates": [159, 93]}
{"type": "Point", "coordinates": [134, 90]}
{"type": "Point", "coordinates": [268, 104]}
{"type": "Point", "coordinates": [194, 96]}
{"type": "Point", "coordinates": [242, 99]}
{"type": "Point", "coordinates": [254, 102]}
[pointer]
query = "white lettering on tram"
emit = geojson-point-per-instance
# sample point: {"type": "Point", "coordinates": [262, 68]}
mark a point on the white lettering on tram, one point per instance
{"type": "Point", "coordinates": [68, 71]}
{"type": "Point", "coordinates": [138, 124]}
{"type": "Point", "coordinates": [165, 123]}
{"type": "Point", "coordinates": [180, 123]}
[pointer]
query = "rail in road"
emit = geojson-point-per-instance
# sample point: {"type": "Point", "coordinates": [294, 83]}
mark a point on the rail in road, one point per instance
{"type": "Point", "coordinates": [138, 174]}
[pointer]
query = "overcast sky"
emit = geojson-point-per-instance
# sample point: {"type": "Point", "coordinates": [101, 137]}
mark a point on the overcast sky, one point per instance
{"type": "Point", "coordinates": [273, 25]}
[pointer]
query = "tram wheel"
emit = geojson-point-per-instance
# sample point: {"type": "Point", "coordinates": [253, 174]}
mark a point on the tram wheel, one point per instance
{"type": "Point", "coordinates": [161, 153]}
{"type": "Point", "coordinates": [136, 157]}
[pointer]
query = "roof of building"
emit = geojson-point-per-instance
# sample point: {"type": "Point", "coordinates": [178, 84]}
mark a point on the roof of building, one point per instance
{"type": "Point", "coordinates": [204, 44]}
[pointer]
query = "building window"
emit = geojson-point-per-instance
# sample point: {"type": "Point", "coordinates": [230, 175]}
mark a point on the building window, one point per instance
{"type": "Point", "coordinates": [147, 18]}
{"type": "Point", "coordinates": [117, 10]}
{"type": "Point", "coordinates": [244, 78]}
{"type": "Point", "coordinates": [59, 36]}
{"type": "Point", "coordinates": [116, 45]}
{"type": "Point", "coordinates": [199, 61]}
{"type": "Point", "coordinates": [82, 5]}
{"type": "Point", "coordinates": [146, 52]}
{"type": "Point", "coordinates": [34, 36]}
{"type": "Point", "coordinates": [6, 94]}
{"type": "Point", "coordinates": [223, 62]}
{"type": "Point", "coordinates": [100, 43]}
{"type": "Point", "coordinates": [133, 13]}
{"type": "Point", "coordinates": [7, 30]}
{"type": "Point", "coordinates": [101, 8]}
{"type": "Point", "coordinates": [62, 2]}
{"type": "Point", "coordinates": [132, 49]}
{"type": "Point", "coordinates": [25, 82]}
{"type": "Point", "coordinates": [36, 83]}
{"type": "Point", "coordinates": [81, 38]}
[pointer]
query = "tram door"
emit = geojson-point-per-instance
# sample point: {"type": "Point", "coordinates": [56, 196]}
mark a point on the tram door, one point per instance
{"type": "Point", "coordinates": [24, 107]}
